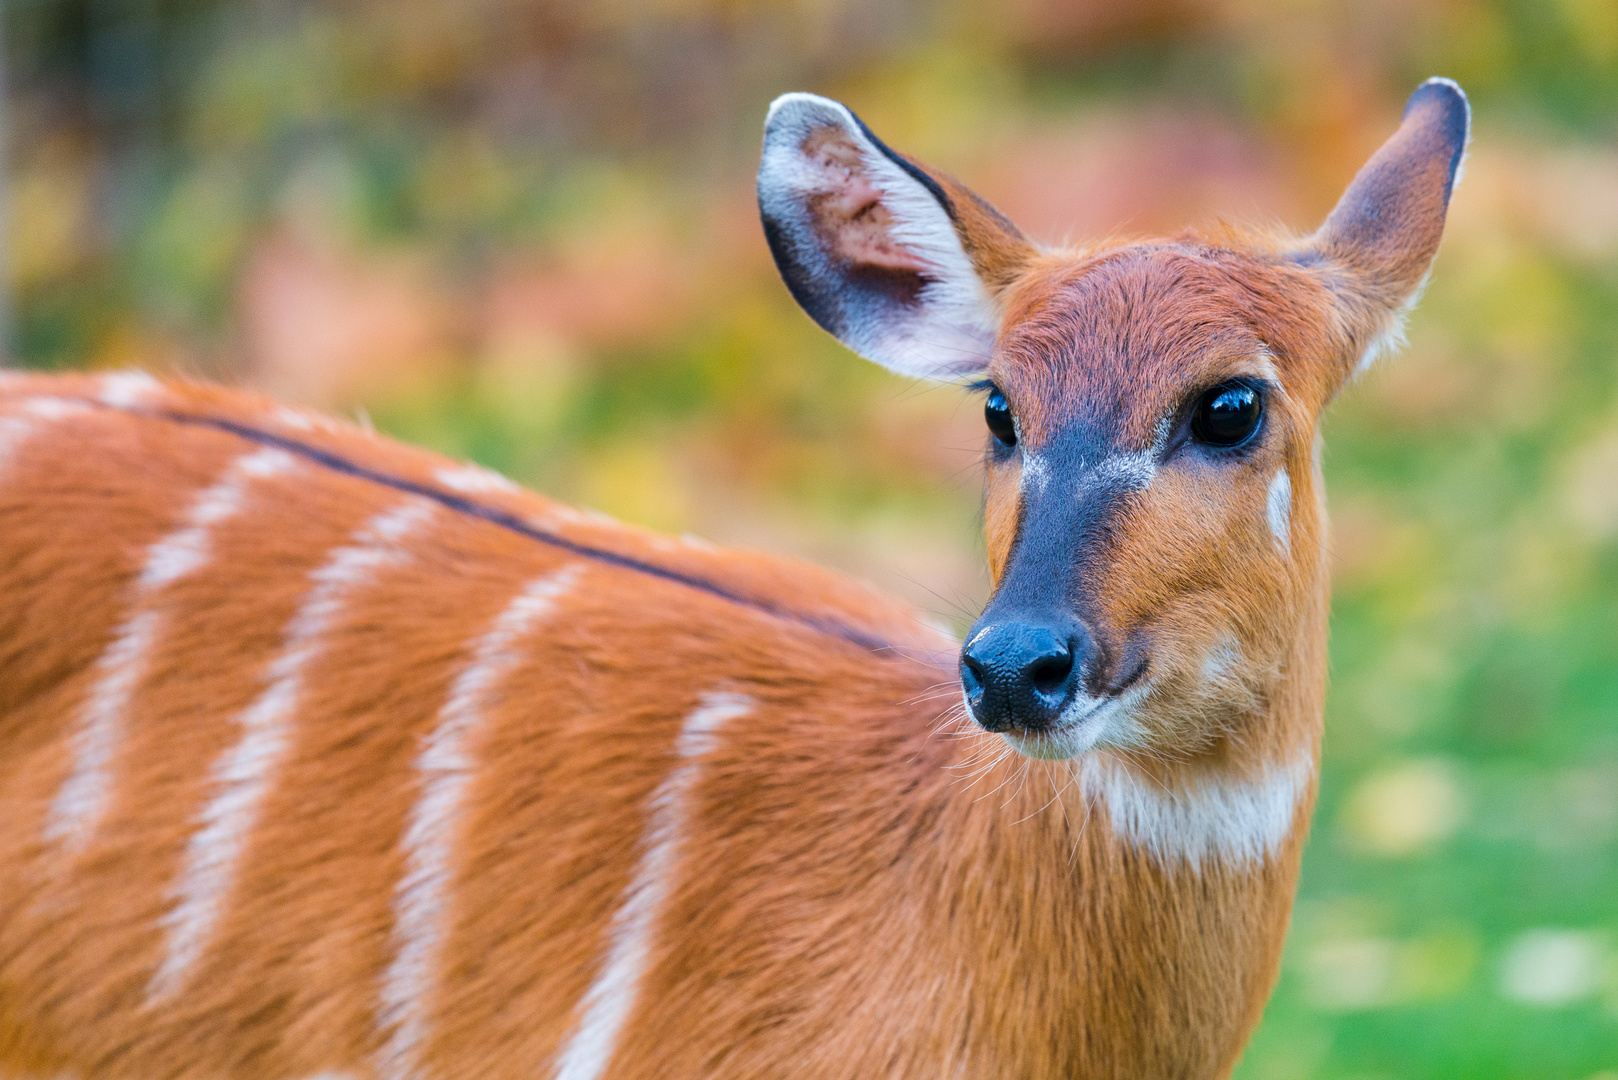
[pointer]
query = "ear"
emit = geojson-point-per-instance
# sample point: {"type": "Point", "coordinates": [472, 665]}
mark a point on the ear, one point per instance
{"type": "Point", "coordinates": [1379, 242]}
{"type": "Point", "coordinates": [901, 264]}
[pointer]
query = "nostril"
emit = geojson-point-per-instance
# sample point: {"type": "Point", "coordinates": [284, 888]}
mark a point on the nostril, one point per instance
{"type": "Point", "coordinates": [1020, 675]}
{"type": "Point", "coordinates": [1049, 673]}
{"type": "Point", "coordinates": [971, 675]}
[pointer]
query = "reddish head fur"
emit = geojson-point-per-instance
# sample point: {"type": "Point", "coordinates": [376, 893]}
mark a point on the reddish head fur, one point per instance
{"type": "Point", "coordinates": [1167, 576]}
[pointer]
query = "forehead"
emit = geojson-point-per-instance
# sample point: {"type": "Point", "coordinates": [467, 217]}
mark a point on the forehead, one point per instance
{"type": "Point", "coordinates": [1116, 341]}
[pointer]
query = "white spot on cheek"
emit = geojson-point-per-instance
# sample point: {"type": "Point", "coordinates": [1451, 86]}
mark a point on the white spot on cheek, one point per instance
{"type": "Point", "coordinates": [1222, 661]}
{"type": "Point", "coordinates": [1279, 510]}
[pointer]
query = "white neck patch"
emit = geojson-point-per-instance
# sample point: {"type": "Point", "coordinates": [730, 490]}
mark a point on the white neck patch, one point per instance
{"type": "Point", "coordinates": [1236, 822]}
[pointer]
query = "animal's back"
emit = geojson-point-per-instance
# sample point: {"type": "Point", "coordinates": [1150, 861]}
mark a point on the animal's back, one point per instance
{"type": "Point", "coordinates": [322, 754]}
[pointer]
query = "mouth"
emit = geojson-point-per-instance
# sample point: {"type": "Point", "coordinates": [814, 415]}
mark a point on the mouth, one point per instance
{"type": "Point", "coordinates": [1079, 728]}
{"type": "Point", "coordinates": [1085, 724]}
{"type": "Point", "coordinates": [1133, 676]}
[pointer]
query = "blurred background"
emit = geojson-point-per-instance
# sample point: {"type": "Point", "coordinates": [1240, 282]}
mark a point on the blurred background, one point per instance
{"type": "Point", "coordinates": [522, 232]}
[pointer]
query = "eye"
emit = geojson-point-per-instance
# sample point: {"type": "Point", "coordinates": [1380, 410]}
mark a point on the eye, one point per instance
{"type": "Point", "coordinates": [1228, 415]}
{"type": "Point", "coordinates": [997, 414]}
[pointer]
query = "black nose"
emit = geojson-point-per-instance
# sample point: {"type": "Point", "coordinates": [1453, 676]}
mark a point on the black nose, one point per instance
{"type": "Point", "coordinates": [1020, 675]}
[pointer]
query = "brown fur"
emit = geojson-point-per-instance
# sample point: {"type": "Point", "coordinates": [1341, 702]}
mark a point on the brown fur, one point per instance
{"type": "Point", "coordinates": [863, 889]}
{"type": "Point", "coordinates": [848, 905]}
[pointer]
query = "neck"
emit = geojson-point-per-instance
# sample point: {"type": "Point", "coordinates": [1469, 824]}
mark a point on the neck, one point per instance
{"type": "Point", "coordinates": [1148, 898]}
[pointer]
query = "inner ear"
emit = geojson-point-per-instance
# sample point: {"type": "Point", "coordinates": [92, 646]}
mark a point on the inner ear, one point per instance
{"type": "Point", "coordinates": [1379, 242]}
{"type": "Point", "coordinates": [848, 212]}
{"type": "Point", "coordinates": [902, 265]}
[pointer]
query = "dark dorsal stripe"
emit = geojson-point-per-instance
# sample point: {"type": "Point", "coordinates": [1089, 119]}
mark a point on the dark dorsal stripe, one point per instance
{"type": "Point", "coordinates": [514, 523]}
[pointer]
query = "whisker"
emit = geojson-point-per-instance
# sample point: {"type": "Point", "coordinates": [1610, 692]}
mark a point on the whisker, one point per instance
{"type": "Point", "coordinates": [1027, 767]}
{"type": "Point", "coordinates": [1002, 783]}
{"type": "Point", "coordinates": [1089, 808]}
{"type": "Point", "coordinates": [1055, 796]}
{"type": "Point", "coordinates": [989, 768]}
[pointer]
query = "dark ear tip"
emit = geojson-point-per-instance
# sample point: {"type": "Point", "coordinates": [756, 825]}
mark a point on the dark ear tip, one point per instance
{"type": "Point", "coordinates": [1446, 98]}
{"type": "Point", "coordinates": [791, 114]}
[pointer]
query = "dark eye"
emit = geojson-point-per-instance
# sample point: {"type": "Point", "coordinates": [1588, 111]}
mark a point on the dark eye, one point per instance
{"type": "Point", "coordinates": [1228, 414]}
{"type": "Point", "coordinates": [997, 414]}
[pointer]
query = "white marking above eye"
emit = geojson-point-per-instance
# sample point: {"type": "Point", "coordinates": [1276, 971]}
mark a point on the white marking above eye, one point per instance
{"type": "Point", "coordinates": [1266, 366]}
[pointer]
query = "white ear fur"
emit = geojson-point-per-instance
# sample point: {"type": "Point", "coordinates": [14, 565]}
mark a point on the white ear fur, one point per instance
{"type": "Point", "coordinates": [900, 292]}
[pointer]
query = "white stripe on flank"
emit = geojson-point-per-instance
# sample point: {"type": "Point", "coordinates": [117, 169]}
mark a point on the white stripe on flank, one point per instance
{"type": "Point", "coordinates": [475, 480]}
{"type": "Point", "coordinates": [186, 550]}
{"type": "Point", "coordinates": [1238, 822]}
{"type": "Point", "coordinates": [128, 389]}
{"type": "Point", "coordinates": [243, 774]}
{"type": "Point", "coordinates": [83, 796]}
{"type": "Point", "coordinates": [296, 418]}
{"type": "Point", "coordinates": [445, 768]}
{"type": "Point", "coordinates": [606, 1005]}
{"type": "Point", "coordinates": [50, 407]}
{"type": "Point", "coordinates": [15, 430]}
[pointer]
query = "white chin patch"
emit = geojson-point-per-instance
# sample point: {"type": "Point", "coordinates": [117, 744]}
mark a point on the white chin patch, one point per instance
{"type": "Point", "coordinates": [1086, 723]}
{"type": "Point", "coordinates": [1233, 820]}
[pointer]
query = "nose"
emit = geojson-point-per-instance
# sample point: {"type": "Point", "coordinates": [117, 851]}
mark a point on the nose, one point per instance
{"type": "Point", "coordinates": [1020, 675]}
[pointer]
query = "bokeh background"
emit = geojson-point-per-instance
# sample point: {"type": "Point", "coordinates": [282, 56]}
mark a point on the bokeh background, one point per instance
{"type": "Point", "coordinates": [522, 231]}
